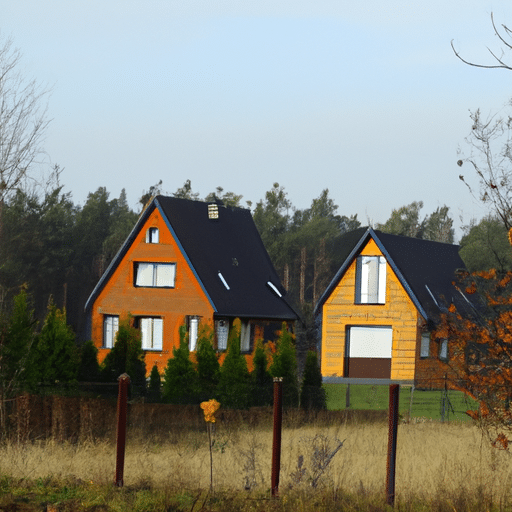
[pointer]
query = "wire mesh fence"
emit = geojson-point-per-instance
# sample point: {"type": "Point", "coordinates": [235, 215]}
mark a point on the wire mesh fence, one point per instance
{"type": "Point", "coordinates": [416, 404]}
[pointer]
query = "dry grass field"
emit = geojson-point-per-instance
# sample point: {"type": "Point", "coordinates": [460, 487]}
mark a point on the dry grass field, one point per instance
{"type": "Point", "coordinates": [440, 466]}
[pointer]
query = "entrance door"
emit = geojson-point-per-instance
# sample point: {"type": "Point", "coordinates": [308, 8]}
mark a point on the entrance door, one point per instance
{"type": "Point", "coordinates": [368, 352]}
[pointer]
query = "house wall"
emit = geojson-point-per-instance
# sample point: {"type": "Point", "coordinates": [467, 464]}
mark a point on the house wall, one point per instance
{"type": "Point", "coordinates": [340, 312]}
{"type": "Point", "coordinates": [120, 297]}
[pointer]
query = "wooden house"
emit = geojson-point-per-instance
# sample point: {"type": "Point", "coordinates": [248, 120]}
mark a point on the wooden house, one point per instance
{"type": "Point", "coordinates": [186, 263]}
{"type": "Point", "coordinates": [378, 312]}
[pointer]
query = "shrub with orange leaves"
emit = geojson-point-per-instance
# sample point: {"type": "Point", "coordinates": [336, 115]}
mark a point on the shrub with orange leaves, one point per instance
{"type": "Point", "coordinates": [480, 349]}
{"type": "Point", "coordinates": [209, 409]}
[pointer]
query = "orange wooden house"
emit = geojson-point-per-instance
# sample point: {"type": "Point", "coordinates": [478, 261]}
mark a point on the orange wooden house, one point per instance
{"type": "Point", "coordinates": [379, 310]}
{"type": "Point", "coordinates": [189, 263]}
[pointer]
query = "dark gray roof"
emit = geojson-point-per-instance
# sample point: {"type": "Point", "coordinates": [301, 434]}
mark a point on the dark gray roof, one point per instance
{"type": "Point", "coordinates": [426, 269]}
{"type": "Point", "coordinates": [229, 245]}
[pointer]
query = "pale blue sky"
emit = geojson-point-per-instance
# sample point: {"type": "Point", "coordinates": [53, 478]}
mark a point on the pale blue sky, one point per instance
{"type": "Point", "coordinates": [365, 99]}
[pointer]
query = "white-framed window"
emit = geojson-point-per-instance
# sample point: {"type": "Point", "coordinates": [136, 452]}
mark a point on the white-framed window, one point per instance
{"type": "Point", "coordinates": [245, 337]}
{"type": "Point", "coordinates": [110, 328]}
{"type": "Point", "coordinates": [222, 331]}
{"type": "Point", "coordinates": [425, 345]}
{"type": "Point", "coordinates": [193, 329]}
{"type": "Point", "coordinates": [371, 280]}
{"type": "Point", "coordinates": [152, 236]}
{"type": "Point", "coordinates": [443, 349]}
{"type": "Point", "coordinates": [151, 330]}
{"type": "Point", "coordinates": [156, 275]}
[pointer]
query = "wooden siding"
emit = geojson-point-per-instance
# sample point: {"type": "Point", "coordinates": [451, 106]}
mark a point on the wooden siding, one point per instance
{"type": "Point", "coordinates": [120, 297]}
{"type": "Point", "coordinates": [341, 312]}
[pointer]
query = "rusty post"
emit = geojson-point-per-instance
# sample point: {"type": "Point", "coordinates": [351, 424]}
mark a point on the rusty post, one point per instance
{"type": "Point", "coordinates": [122, 400]}
{"type": "Point", "coordinates": [276, 445]}
{"type": "Point", "coordinates": [392, 435]}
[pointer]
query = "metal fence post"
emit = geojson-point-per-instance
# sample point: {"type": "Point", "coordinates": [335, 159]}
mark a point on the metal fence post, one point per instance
{"type": "Point", "coordinates": [276, 445]}
{"type": "Point", "coordinates": [392, 435]}
{"type": "Point", "coordinates": [122, 400]}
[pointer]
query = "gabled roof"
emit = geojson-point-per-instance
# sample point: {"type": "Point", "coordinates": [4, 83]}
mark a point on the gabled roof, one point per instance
{"type": "Point", "coordinates": [226, 255]}
{"type": "Point", "coordinates": [426, 270]}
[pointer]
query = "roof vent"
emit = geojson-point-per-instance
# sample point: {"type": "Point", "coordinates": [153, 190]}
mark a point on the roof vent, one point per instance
{"type": "Point", "coordinates": [273, 287]}
{"type": "Point", "coordinates": [213, 211]}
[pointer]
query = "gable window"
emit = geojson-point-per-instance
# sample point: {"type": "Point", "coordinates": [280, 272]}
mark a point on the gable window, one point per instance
{"type": "Point", "coordinates": [156, 275]}
{"type": "Point", "coordinates": [371, 280]}
{"type": "Point", "coordinates": [151, 330]}
{"type": "Point", "coordinates": [425, 345]}
{"type": "Point", "coordinates": [222, 331]}
{"type": "Point", "coordinates": [152, 236]}
{"type": "Point", "coordinates": [110, 328]}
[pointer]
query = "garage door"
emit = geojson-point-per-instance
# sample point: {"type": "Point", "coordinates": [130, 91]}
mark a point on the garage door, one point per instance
{"type": "Point", "coordinates": [368, 353]}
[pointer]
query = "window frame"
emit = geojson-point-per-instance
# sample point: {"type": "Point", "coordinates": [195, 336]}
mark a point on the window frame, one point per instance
{"type": "Point", "coordinates": [155, 265]}
{"type": "Point", "coordinates": [152, 235]}
{"type": "Point", "coordinates": [425, 345]}
{"type": "Point", "coordinates": [109, 340]}
{"type": "Point", "coordinates": [365, 280]}
{"type": "Point", "coordinates": [154, 327]}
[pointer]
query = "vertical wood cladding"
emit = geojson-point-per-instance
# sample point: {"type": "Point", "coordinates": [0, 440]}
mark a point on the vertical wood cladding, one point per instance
{"type": "Point", "coordinates": [340, 312]}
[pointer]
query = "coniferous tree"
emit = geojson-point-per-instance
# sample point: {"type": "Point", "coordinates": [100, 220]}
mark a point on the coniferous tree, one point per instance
{"type": "Point", "coordinates": [261, 380]}
{"type": "Point", "coordinates": [284, 365]}
{"type": "Point", "coordinates": [208, 367]}
{"type": "Point", "coordinates": [180, 376]}
{"type": "Point", "coordinates": [126, 356]}
{"type": "Point", "coordinates": [89, 368]}
{"type": "Point", "coordinates": [155, 385]}
{"type": "Point", "coordinates": [55, 355]}
{"type": "Point", "coordinates": [312, 394]}
{"type": "Point", "coordinates": [233, 389]}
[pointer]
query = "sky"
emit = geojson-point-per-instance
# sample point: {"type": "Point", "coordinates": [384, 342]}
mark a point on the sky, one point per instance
{"type": "Point", "coordinates": [366, 99]}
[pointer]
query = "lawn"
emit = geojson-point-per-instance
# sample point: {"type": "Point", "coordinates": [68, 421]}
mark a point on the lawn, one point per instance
{"type": "Point", "coordinates": [435, 405]}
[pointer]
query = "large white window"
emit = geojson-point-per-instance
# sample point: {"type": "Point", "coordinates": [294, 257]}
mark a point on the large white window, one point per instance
{"type": "Point", "coordinates": [161, 275]}
{"type": "Point", "coordinates": [152, 236]}
{"type": "Point", "coordinates": [371, 280]}
{"type": "Point", "coordinates": [110, 328]}
{"type": "Point", "coordinates": [151, 333]}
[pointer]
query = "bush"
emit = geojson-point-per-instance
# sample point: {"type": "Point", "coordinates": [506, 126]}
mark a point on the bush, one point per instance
{"type": "Point", "coordinates": [89, 368]}
{"type": "Point", "coordinates": [155, 385]}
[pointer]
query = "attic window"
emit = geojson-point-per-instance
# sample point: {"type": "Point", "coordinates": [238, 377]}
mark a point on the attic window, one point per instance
{"type": "Point", "coordinates": [154, 275]}
{"type": "Point", "coordinates": [273, 287]}
{"type": "Point", "coordinates": [371, 280]}
{"type": "Point", "coordinates": [213, 211]}
{"type": "Point", "coordinates": [152, 236]}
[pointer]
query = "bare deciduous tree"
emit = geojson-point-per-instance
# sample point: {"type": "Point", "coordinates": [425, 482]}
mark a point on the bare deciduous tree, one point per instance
{"type": "Point", "coordinates": [23, 121]}
{"type": "Point", "coordinates": [501, 64]}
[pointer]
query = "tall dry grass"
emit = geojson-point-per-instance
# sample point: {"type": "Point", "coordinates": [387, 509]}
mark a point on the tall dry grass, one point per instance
{"type": "Point", "coordinates": [434, 459]}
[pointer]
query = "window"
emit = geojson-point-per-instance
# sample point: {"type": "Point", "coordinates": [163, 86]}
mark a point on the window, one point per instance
{"type": "Point", "coordinates": [371, 280]}
{"type": "Point", "coordinates": [110, 328]}
{"type": "Point", "coordinates": [193, 327]}
{"type": "Point", "coordinates": [160, 275]}
{"type": "Point", "coordinates": [152, 236]}
{"type": "Point", "coordinates": [443, 349]}
{"type": "Point", "coordinates": [245, 337]}
{"type": "Point", "coordinates": [151, 330]}
{"type": "Point", "coordinates": [425, 345]}
{"type": "Point", "coordinates": [222, 330]}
